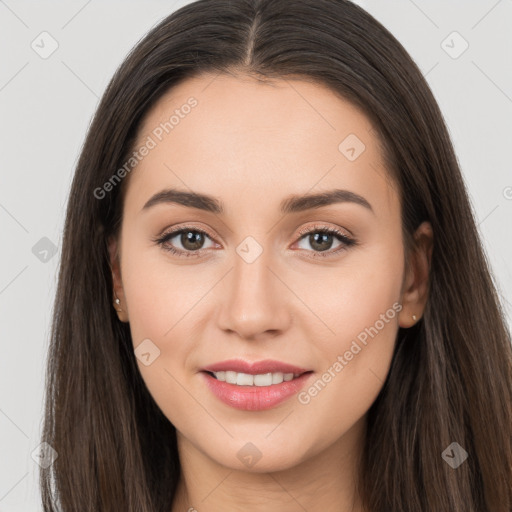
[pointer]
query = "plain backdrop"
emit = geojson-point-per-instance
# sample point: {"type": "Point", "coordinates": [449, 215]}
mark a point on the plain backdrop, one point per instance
{"type": "Point", "coordinates": [46, 106]}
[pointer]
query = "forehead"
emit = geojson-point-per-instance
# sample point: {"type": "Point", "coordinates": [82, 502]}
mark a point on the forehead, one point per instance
{"type": "Point", "coordinates": [232, 136]}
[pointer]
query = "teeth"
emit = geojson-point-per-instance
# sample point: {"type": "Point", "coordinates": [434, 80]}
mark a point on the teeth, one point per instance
{"type": "Point", "coordinates": [245, 379]}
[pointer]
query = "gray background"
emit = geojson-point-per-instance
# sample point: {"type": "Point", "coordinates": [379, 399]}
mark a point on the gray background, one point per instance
{"type": "Point", "coordinates": [47, 104]}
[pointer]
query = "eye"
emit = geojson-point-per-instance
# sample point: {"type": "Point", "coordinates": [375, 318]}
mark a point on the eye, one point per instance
{"type": "Point", "coordinates": [320, 238]}
{"type": "Point", "coordinates": [191, 240]}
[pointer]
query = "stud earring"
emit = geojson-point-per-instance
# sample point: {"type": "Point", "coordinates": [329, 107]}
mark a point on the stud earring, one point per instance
{"type": "Point", "coordinates": [414, 317]}
{"type": "Point", "coordinates": [117, 301]}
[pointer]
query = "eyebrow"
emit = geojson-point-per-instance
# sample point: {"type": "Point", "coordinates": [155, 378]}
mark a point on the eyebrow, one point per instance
{"type": "Point", "coordinates": [292, 204]}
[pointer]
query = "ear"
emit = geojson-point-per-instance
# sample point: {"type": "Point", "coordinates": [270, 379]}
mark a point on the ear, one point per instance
{"type": "Point", "coordinates": [416, 280]}
{"type": "Point", "coordinates": [115, 265]}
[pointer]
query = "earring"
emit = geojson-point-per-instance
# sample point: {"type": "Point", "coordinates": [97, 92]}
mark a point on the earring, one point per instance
{"type": "Point", "coordinates": [414, 317]}
{"type": "Point", "coordinates": [117, 301]}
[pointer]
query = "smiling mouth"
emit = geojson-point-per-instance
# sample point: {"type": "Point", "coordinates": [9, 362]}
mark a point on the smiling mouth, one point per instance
{"type": "Point", "coordinates": [260, 380]}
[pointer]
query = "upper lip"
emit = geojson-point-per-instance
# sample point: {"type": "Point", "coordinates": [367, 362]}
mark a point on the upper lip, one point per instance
{"type": "Point", "coordinates": [254, 368]}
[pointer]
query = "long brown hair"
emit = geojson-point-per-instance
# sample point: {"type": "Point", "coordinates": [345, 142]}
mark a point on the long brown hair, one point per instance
{"type": "Point", "coordinates": [451, 374]}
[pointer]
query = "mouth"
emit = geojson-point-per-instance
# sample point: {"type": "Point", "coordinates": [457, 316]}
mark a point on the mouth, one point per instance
{"type": "Point", "coordinates": [254, 385]}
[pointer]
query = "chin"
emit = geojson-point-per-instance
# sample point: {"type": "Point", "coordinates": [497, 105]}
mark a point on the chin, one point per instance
{"type": "Point", "coordinates": [255, 454]}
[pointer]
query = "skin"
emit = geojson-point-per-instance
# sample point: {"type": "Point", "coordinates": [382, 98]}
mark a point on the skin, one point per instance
{"type": "Point", "coordinates": [287, 305]}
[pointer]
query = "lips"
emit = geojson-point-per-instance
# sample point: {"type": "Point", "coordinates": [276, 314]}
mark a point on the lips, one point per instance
{"type": "Point", "coordinates": [255, 368]}
{"type": "Point", "coordinates": [254, 398]}
{"type": "Point", "coordinates": [264, 393]}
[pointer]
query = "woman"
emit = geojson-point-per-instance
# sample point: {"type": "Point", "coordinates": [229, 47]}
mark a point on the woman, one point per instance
{"type": "Point", "coordinates": [272, 293]}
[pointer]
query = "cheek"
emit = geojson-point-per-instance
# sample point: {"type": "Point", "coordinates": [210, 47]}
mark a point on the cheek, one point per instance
{"type": "Point", "coordinates": [158, 292]}
{"type": "Point", "coordinates": [161, 300]}
{"type": "Point", "coordinates": [360, 306]}
{"type": "Point", "coordinates": [165, 307]}
{"type": "Point", "coordinates": [354, 295]}
{"type": "Point", "coordinates": [356, 361]}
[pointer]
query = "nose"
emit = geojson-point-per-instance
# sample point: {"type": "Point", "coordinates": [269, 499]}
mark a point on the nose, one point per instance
{"type": "Point", "coordinates": [254, 301]}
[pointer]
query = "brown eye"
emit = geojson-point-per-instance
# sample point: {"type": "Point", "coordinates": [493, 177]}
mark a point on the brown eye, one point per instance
{"type": "Point", "coordinates": [190, 240]}
{"type": "Point", "coordinates": [321, 240]}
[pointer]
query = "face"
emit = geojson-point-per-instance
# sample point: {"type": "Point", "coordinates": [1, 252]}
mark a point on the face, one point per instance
{"type": "Point", "coordinates": [258, 272]}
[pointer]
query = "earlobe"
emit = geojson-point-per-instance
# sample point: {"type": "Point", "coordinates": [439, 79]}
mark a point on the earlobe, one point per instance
{"type": "Point", "coordinates": [415, 292]}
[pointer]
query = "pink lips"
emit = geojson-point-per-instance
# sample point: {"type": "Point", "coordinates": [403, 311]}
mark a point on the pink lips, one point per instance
{"type": "Point", "coordinates": [255, 398]}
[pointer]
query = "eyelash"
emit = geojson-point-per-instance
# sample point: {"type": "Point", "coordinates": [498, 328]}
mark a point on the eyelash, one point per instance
{"type": "Point", "coordinates": [347, 241]}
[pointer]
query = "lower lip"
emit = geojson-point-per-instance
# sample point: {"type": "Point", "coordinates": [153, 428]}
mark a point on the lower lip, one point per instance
{"type": "Point", "coordinates": [255, 398]}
